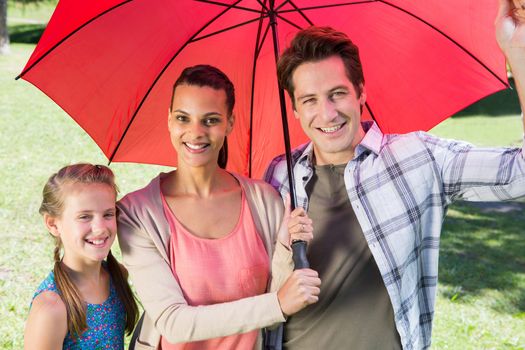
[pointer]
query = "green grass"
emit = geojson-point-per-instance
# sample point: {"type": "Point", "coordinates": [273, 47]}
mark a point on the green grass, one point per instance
{"type": "Point", "coordinates": [481, 299]}
{"type": "Point", "coordinates": [493, 121]}
{"type": "Point", "coordinates": [483, 130]}
{"type": "Point", "coordinates": [33, 11]}
{"type": "Point", "coordinates": [26, 21]}
{"type": "Point", "coordinates": [481, 294]}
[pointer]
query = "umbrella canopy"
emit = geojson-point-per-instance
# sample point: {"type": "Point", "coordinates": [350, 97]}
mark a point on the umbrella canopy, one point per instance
{"type": "Point", "coordinates": [111, 65]}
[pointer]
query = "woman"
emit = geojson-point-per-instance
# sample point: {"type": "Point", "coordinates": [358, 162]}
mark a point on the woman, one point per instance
{"type": "Point", "coordinates": [197, 241]}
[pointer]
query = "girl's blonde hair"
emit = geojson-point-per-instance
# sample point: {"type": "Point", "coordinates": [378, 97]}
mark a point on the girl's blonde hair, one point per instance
{"type": "Point", "coordinates": [53, 197]}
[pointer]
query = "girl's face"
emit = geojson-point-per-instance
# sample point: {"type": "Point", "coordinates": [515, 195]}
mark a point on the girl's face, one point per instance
{"type": "Point", "coordinates": [198, 123]}
{"type": "Point", "coordinates": [87, 226]}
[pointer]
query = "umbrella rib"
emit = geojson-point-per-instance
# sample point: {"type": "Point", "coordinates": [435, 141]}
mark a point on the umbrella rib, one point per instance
{"type": "Point", "coordinates": [367, 105]}
{"type": "Point", "coordinates": [160, 74]}
{"type": "Point", "coordinates": [226, 29]}
{"type": "Point", "coordinates": [281, 5]}
{"type": "Point", "coordinates": [68, 36]}
{"type": "Point", "coordinates": [252, 95]}
{"type": "Point", "coordinates": [289, 22]}
{"type": "Point", "coordinates": [263, 39]}
{"type": "Point", "coordinates": [329, 5]}
{"type": "Point", "coordinates": [226, 5]}
{"type": "Point", "coordinates": [263, 5]}
{"type": "Point", "coordinates": [448, 37]}
{"type": "Point", "coordinates": [301, 13]}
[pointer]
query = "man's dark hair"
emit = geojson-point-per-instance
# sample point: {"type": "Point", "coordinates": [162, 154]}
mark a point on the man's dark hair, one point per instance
{"type": "Point", "coordinates": [318, 43]}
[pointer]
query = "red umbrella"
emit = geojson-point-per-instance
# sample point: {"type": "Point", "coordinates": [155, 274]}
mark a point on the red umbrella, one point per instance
{"type": "Point", "coordinates": [110, 65]}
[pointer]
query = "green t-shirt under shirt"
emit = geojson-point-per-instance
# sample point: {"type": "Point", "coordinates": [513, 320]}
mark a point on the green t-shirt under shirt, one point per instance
{"type": "Point", "coordinates": [354, 310]}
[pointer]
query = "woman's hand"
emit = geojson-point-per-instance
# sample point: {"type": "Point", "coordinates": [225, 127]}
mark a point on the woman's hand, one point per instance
{"type": "Point", "coordinates": [296, 225]}
{"type": "Point", "coordinates": [300, 290]}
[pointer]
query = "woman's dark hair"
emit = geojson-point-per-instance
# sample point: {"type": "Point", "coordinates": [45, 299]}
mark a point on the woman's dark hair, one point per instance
{"type": "Point", "coordinates": [54, 195]}
{"type": "Point", "coordinates": [206, 75]}
{"type": "Point", "coordinates": [318, 43]}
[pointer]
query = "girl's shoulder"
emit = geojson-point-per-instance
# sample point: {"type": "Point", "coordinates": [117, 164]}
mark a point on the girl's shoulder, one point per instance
{"type": "Point", "coordinates": [47, 302]}
{"type": "Point", "coordinates": [50, 305]}
{"type": "Point", "coordinates": [47, 321]}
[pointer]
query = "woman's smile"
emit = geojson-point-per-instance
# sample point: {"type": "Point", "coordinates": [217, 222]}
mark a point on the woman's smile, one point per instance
{"type": "Point", "coordinates": [198, 123]}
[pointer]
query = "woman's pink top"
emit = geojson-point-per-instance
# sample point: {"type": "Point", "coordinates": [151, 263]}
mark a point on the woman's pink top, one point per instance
{"type": "Point", "coordinates": [212, 271]}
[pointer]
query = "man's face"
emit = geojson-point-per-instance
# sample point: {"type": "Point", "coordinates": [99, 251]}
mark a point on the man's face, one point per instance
{"type": "Point", "coordinates": [329, 109]}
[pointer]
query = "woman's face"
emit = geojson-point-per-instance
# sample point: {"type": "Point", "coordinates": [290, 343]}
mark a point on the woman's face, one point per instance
{"type": "Point", "coordinates": [198, 123]}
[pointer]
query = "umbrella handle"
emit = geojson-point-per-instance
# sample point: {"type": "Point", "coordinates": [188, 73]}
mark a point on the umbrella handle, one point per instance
{"type": "Point", "coordinates": [298, 247]}
{"type": "Point", "coordinates": [299, 255]}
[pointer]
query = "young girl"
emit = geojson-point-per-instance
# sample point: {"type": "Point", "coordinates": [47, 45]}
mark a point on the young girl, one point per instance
{"type": "Point", "coordinates": [85, 302]}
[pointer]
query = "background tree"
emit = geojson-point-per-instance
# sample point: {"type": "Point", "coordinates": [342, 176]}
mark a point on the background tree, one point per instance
{"type": "Point", "coordinates": [4, 35]}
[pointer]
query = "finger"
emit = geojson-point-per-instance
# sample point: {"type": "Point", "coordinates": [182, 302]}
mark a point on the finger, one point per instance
{"type": "Point", "coordinates": [315, 291]}
{"type": "Point", "coordinates": [305, 237]}
{"type": "Point", "coordinates": [504, 8]}
{"type": "Point", "coordinates": [517, 8]}
{"type": "Point", "coordinates": [301, 230]}
{"type": "Point", "coordinates": [312, 282]}
{"type": "Point", "coordinates": [298, 228]}
{"type": "Point", "coordinates": [314, 300]}
{"type": "Point", "coordinates": [306, 272]}
{"type": "Point", "coordinates": [298, 221]}
{"type": "Point", "coordinates": [299, 211]}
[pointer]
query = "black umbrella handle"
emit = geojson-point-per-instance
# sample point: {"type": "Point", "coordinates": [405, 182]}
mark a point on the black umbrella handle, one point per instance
{"type": "Point", "coordinates": [298, 247]}
{"type": "Point", "coordinates": [299, 255]}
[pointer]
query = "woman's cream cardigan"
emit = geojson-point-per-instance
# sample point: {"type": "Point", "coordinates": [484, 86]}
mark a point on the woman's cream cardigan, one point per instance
{"type": "Point", "coordinates": [144, 236]}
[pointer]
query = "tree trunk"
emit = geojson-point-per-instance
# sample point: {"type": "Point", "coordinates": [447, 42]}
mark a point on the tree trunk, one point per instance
{"type": "Point", "coordinates": [4, 36]}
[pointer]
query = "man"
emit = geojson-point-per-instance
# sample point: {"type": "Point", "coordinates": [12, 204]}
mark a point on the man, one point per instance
{"type": "Point", "coordinates": [378, 201]}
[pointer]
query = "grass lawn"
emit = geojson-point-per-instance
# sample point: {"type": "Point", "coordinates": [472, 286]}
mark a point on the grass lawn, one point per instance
{"type": "Point", "coordinates": [30, 11]}
{"type": "Point", "coordinates": [481, 295]}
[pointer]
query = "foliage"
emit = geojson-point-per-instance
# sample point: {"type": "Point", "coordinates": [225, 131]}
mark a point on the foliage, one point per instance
{"type": "Point", "coordinates": [33, 11]}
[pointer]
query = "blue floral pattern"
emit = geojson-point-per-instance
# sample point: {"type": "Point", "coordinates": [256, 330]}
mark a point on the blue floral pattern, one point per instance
{"type": "Point", "coordinates": [106, 321]}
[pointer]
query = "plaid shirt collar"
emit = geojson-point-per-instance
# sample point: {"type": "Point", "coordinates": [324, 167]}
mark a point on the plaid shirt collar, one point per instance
{"type": "Point", "coordinates": [371, 142]}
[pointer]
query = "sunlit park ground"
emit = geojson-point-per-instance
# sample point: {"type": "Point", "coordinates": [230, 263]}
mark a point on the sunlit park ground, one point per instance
{"type": "Point", "coordinates": [481, 295]}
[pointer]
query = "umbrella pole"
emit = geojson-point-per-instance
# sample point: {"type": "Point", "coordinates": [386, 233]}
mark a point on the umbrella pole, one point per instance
{"type": "Point", "coordinates": [298, 246]}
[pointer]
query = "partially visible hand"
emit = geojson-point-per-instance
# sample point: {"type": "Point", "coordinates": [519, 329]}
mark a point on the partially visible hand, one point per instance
{"type": "Point", "coordinates": [300, 290]}
{"type": "Point", "coordinates": [510, 26]}
{"type": "Point", "coordinates": [519, 9]}
{"type": "Point", "coordinates": [300, 226]}
{"type": "Point", "coordinates": [296, 225]}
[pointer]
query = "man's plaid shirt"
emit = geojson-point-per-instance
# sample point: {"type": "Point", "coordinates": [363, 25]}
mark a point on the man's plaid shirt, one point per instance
{"type": "Point", "coordinates": [400, 187]}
